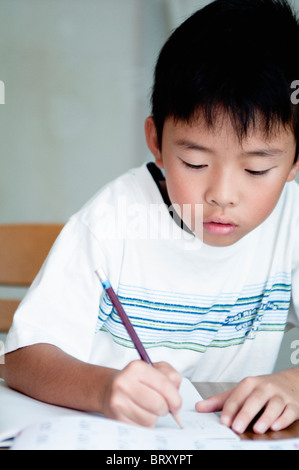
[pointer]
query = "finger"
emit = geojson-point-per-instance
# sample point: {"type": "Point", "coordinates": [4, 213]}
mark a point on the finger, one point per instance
{"type": "Point", "coordinates": [289, 415]}
{"type": "Point", "coordinates": [166, 381]}
{"type": "Point", "coordinates": [252, 405]}
{"type": "Point", "coordinates": [155, 381]}
{"type": "Point", "coordinates": [133, 414]}
{"type": "Point", "coordinates": [141, 405]}
{"type": "Point", "coordinates": [150, 400]}
{"type": "Point", "coordinates": [148, 388]}
{"type": "Point", "coordinates": [170, 373]}
{"type": "Point", "coordinates": [235, 401]}
{"type": "Point", "coordinates": [213, 403]}
{"type": "Point", "coordinates": [273, 410]}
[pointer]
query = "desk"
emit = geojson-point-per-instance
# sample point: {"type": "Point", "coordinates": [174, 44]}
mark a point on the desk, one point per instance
{"type": "Point", "coordinates": [207, 389]}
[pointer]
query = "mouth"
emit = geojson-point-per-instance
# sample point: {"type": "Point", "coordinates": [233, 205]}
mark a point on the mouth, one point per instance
{"type": "Point", "coordinates": [219, 227]}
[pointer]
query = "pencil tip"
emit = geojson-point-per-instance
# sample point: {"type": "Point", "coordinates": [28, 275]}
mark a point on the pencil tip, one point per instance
{"type": "Point", "coordinates": [177, 420]}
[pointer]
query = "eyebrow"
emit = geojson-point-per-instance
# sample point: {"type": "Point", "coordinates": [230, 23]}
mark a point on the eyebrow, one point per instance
{"type": "Point", "coordinates": [262, 152]}
{"type": "Point", "coordinates": [267, 152]}
{"type": "Point", "coordinates": [189, 145]}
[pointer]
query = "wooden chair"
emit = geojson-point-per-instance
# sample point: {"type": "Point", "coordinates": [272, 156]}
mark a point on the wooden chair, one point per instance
{"type": "Point", "coordinates": [23, 249]}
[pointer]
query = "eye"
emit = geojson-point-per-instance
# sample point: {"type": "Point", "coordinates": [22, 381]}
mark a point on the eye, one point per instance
{"type": "Point", "coordinates": [194, 167]}
{"type": "Point", "coordinates": [258, 173]}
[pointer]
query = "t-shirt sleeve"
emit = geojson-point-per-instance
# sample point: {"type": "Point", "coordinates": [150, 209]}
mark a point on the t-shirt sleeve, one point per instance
{"type": "Point", "coordinates": [61, 306]}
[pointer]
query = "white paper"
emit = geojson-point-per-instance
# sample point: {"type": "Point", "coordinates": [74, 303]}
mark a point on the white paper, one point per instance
{"type": "Point", "coordinates": [50, 427]}
{"type": "Point", "coordinates": [18, 411]}
{"type": "Point", "coordinates": [99, 433]}
{"type": "Point", "coordinates": [73, 433]}
{"type": "Point", "coordinates": [222, 444]}
{"type": "Point", "coordinates": [94, 433]}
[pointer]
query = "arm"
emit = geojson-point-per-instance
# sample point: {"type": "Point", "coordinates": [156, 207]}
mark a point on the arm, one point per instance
{"type": "Point", "coordinates": [138, 394]}
{"type": "Point", "coordinates": [276, 396]}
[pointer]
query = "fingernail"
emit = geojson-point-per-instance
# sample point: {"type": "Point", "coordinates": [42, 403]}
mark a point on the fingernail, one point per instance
{"type": "Point", "coordinates": [225, 420]}
{"type": "Point", "coordinates": [260, 428]}
{"type": "Point", "coordinates": [239, 426]}
{"type": "Point", "coordinates": [275, 427]}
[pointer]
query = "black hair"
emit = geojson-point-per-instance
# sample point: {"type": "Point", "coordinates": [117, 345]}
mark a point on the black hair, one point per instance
{"type": "Point", "coordinates": [236, 56]}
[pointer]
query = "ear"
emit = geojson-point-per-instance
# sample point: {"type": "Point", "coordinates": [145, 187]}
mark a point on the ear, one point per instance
{"type": "Point", "coordinates": [293, 172]}
{"type": "Point", "coordinates": [152, 141]}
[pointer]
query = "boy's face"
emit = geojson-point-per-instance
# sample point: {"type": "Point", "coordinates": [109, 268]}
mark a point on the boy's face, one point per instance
{"type": "Point", "coordinates": [237, 183]}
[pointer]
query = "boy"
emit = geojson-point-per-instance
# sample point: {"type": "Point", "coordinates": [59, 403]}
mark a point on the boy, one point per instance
{"type": "Point", "coordinates": [212, 304]}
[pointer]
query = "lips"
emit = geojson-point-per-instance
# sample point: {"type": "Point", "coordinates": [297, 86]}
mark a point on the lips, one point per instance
{"type": "Point", "coordinates": [219, 226]}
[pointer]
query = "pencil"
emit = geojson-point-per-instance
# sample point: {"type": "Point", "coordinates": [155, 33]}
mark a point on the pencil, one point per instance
{"type": "Point", "coordinates": [127, 324]}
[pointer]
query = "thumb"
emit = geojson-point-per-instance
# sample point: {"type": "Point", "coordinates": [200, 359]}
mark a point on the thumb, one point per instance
{"type": "Point", "coordinates": [213, 403]}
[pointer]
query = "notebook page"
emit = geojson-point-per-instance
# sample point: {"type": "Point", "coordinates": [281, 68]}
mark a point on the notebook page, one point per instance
{"type": "Point", "coordinates": [95, 433]}
{"type": "Point", "coordinates": [18, 411]}
{"type": "Point", "coordinates": [73, 433]}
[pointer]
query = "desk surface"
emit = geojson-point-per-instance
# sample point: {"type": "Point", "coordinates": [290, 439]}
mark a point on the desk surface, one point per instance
{"type": "Point", "coordinates": [208, 389]}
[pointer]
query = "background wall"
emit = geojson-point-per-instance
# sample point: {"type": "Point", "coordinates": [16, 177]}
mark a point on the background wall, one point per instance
{"type": "Point", "coordinates": [77, 77]}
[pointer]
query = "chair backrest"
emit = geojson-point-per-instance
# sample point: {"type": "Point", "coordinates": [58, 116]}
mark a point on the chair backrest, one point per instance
{"type": "Point", "coordinates": [23, 249]}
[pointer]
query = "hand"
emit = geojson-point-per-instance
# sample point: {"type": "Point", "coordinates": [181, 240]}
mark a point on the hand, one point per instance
{"type": "Point", "coordinates": [276, 396]}
{"type": "Point", "coordinates": [140, 393]}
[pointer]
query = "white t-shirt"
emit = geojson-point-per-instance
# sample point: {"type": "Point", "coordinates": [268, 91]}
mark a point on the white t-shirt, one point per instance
{"type": "Point", "coordinates": [214, 313]}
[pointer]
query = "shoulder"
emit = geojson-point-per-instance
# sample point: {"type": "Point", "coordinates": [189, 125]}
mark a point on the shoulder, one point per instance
{"type": "Point", "coordinates": [289, 201]}
{"type": "Point", "coordinates": [282, 225]}
{"type": "Point", "coordinates": [292, 189]}
{"type": "Point", "coordinates": [108, 206]}
{"type": "Point", "coordinates": [129, 185]}
{"type": "Point", "coordinates": [286, 214]}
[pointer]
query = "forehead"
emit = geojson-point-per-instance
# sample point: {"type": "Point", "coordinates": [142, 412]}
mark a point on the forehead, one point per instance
{"type": "Point", "coordinates": [222, 132]}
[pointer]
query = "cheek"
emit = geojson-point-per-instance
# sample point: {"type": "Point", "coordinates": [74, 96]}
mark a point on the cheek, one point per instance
{"type": "Point", "coordinates": [262, 204]}
{"type": "Point", "coordinates": [181, 193]}
{"type": "Point", "coordinates": [182, 188]}
{"type": "Point", "coordinates": [175, 186]}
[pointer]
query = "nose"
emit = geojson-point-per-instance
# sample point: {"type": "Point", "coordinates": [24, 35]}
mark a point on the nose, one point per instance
{"type": "Point", "coordinates": [222, 189]}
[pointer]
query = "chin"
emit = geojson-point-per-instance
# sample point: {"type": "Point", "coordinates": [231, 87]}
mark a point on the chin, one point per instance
{"type": "Point", "coordinates": [220, 241]}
